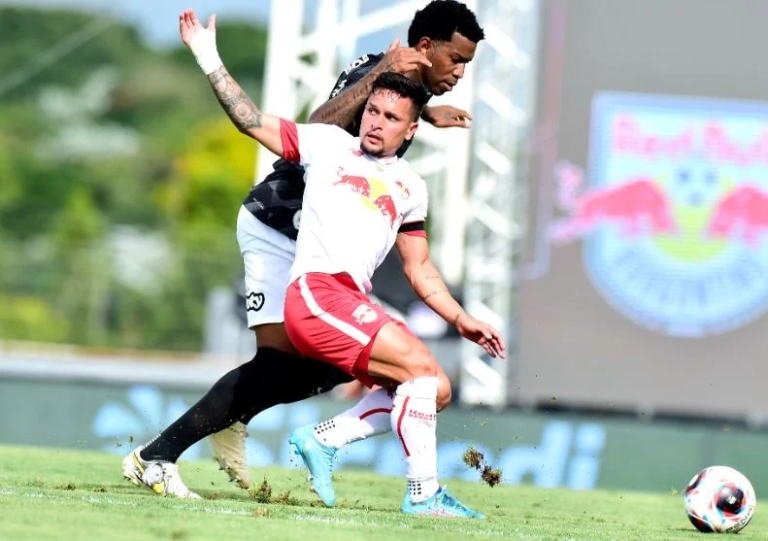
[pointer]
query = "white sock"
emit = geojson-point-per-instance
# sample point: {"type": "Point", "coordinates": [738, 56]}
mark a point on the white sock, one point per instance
{"type": "Point", "coordinates": [414, 422]}
{"type": "Point", "coordinates": [367, 418]}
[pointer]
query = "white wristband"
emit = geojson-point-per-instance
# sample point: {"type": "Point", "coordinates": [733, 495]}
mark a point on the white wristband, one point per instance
{"type": "Point", "coordinates": [209, 61]}
{"type": "Point", "coordinates": [203, 46]}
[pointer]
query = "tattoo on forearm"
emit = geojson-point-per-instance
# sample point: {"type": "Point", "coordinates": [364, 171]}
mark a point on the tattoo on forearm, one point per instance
{"type": "Point", "coordinates": [433, 293]}
{"type": "Point", "coordinates": [342, 109]}
{"type": "Point", "coordinates": [434, 277]}
{"type": "Point", "coordinates": [236, 103]}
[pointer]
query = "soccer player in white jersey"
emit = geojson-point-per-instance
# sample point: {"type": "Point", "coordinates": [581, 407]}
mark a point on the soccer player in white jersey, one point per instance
{"type": "Point", "coordinates": [360, 200]}
{"type": "Point", "coordinates": [442, 39]}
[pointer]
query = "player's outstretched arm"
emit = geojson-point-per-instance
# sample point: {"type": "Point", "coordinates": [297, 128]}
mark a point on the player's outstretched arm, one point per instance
{"type": "Point", "coordinates": [428, 284]}
{"type": "Point", "coordinates": [239, 107]}
{"type": "Point", "coordinates": [341, 109]}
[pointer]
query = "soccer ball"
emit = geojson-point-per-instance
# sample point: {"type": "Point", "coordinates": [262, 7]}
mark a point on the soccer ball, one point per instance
{"type": "Point", "coordinates": [720, 499]}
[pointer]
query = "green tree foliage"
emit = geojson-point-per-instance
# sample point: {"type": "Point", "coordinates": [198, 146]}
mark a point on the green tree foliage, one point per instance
{"type": "Point", "coordinates": [35, 37]}
{"type": "Point", "coordinates": [210, 177]}
{"type": "Point", "coordinates": [110, 135]}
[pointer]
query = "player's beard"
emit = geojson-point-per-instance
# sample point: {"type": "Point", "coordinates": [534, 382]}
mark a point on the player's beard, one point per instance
{"type": "Point", "coordinates": [372, 152]}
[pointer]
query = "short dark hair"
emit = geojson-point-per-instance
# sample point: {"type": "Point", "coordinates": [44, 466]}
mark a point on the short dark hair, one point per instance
{"type": "Point", "coordinates": [404, 87]}
{"type": "Point", "coordinates": [439, 19]}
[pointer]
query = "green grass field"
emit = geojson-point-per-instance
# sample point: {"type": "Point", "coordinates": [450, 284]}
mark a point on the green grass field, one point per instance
{"type": "Point", "coordinates": [65, 494]}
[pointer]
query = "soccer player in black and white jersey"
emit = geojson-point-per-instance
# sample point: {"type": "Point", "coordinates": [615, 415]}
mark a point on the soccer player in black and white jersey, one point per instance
{"type": "Point", "coordinates": [442, 40]}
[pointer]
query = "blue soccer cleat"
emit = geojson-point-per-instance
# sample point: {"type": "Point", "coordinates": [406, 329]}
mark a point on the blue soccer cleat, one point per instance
{"type": "Point", "coordinates": [442, 504]}
{"type": "Point", "coordinates": [318, 458]}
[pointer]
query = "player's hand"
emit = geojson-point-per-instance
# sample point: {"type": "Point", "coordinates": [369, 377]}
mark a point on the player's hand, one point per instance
{"type": "Point", "coordinates": [403, 59]}
{"type": "Point", "coordinates": [192, 32]}
{"type": "Point", "coordinates": [447, 116]}
{"type": "Point", "coordinates": [482, 334]}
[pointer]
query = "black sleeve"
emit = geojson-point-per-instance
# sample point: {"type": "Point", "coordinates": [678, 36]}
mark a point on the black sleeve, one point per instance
{"type": "Point", "coordinates": [354, 72]}
{"type": "Point", "coordinates": [413, 227]}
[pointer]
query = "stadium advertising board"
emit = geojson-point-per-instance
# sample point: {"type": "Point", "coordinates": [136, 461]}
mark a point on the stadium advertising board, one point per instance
{"type": "Point", "coordinates": [548, 450]}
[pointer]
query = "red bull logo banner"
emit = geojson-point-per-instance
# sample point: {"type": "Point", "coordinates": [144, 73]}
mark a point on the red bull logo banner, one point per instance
{"type": "Point", "coordinates": [673, 211]}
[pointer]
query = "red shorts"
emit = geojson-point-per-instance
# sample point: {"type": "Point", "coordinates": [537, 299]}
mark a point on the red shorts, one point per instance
{"type": "Point", "coordinates": [329, 319]}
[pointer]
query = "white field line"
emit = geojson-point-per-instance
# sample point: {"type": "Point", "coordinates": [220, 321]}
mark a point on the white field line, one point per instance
{"type": "Point", "coordinates": [446, 525]}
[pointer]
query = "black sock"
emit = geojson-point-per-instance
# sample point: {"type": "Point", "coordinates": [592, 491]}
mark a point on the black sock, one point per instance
{"type": "Point", "coordinates": [272, 377]}
{"type": "Point", "coordinates": [283, 378]}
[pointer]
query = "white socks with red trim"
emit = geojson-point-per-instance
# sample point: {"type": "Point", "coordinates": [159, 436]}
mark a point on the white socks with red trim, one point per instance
{"type": "Point", "coordinates": [367, 418]}
{"type": "Point", "coordinates": [414, 422]}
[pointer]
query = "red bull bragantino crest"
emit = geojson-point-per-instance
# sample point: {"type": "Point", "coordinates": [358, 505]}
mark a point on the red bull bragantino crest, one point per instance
{"type": "Point", "coordinates": [673, 211]}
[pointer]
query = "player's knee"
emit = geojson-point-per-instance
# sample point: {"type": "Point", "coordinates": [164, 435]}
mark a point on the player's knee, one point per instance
{"type": "Point", "coordinates": [419, 363]}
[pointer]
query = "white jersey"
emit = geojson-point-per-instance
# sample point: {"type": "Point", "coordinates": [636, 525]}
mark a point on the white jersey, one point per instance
{"type": "Point", "coordinates": [354, 204]}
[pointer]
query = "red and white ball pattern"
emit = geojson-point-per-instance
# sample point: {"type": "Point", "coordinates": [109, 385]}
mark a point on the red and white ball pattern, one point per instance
{"type": "Point", "coordinates": [720, 499]}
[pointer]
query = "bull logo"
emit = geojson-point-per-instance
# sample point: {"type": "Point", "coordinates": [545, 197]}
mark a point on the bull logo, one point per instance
{"type": "Point", "coordinates": [374, 193]}
{"type": "Point", "coordinates": [673, 211]}
{"type": "Point", "coordinates": [364, 314]}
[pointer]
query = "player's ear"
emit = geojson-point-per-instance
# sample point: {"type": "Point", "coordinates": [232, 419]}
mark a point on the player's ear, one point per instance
{"type": "Point", "coordinates": [426, 47]}
{"type": "Point", "coordinates": [411, 130]}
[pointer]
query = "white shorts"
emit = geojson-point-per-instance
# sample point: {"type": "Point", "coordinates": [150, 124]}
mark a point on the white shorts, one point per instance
{"type": "Point", "coordinates": [268, 256]}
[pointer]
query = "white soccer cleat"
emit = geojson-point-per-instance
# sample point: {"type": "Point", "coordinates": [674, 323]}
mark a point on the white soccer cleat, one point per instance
{"type": "Point", "coordinates": [229, 451]}
{"type": "Point", "coordinates": [160, 477]}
